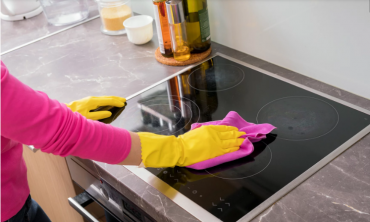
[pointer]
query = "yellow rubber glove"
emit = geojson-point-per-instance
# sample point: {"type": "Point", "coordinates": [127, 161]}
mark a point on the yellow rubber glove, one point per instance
{"type": "Point", "coordinates": [194, 146]}
{"type": "Point", "coordinates": [86, 105]}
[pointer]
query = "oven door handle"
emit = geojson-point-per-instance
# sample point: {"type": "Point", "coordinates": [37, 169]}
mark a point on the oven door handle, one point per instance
{"type": "Point", "coordinates": [81, 210]}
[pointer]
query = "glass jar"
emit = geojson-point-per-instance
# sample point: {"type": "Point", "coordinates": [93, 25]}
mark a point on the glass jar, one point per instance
{"type": "Point", "coordinates": [176, 20]}
{"type": "Point", "coordinates": [65, 12]}
{"type": "Point", "coordinates": [113, 13]}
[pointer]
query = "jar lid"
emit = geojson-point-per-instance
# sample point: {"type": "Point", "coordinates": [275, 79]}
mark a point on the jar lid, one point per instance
{"type": "Point", "coordinates": [175, 12]}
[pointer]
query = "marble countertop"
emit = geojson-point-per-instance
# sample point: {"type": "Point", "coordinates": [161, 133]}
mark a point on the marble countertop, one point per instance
{"type": "Point", "coordinates": [82, 62]}
{"type": "Point", "coordinates": [14, 34]}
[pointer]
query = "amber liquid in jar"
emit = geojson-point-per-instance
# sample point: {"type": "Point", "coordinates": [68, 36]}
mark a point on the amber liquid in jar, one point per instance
{"type": "Point", "coordinates": [166, 36]}
{"type": "Point", "coordinates": [113, 17]}
{"type": "Point", "coordinates": [181, 50]}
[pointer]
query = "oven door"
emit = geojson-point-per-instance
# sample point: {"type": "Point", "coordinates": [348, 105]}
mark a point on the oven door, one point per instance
{"type": "Point", "coordinates": [83, 200]}
{"type": "Point", "coordinates": [97, 190]}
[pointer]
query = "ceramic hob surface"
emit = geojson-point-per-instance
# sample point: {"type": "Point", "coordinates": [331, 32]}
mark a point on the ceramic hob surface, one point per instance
{"type": "Point", "coordinates": [309, 127]}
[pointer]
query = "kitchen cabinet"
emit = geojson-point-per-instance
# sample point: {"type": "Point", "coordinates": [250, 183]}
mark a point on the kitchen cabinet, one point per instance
{"type": "Point", "coordinates": [51, 185]}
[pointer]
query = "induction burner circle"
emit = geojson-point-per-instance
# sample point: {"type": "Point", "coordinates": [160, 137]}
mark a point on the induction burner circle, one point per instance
{"type": "Point", "coordinates": [299, 118]}
{"type": "Point", "coordinates": [159, 115]}
{"type": "Point", "coordinates": [248, 166]}
{"type": "Point", "coordinates": [219, 77]}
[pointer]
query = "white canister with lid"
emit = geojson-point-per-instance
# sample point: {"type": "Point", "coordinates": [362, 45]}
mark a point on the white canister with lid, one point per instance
{"type": "Point", "coordinates": [139, 29]}
{"type": "Point", "coordinates": [14, 10]}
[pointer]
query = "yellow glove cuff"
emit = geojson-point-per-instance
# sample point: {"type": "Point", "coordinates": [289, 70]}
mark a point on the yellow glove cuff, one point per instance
{"type": "Point", "coordinates": [159, 151]}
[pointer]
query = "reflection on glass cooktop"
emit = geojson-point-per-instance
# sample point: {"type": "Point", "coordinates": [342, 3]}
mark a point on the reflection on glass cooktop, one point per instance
{"type": "Point", "coordinates": [309, 127]}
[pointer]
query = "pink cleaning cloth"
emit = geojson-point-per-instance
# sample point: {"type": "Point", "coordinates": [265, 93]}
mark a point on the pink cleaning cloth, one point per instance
{"type": "Point", "coordinates": [254, 133]}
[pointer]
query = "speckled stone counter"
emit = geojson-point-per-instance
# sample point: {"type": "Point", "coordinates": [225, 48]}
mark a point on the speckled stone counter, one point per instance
{"type": "Point", "coordinates": [83, 62]}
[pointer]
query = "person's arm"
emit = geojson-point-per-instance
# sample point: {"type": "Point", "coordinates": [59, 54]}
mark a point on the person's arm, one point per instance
{"type": "Point", "coordinates": [134, 157]}
{"type": "Point", "coordinates": [31, 117]}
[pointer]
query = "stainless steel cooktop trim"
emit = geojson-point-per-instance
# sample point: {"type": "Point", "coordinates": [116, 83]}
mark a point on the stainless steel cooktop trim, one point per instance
{"type": "Point", "coordinates": [168, 78]}
{"type": "Point", "coordinates": [177, 197]}
{"type": "Point", "coordinates": [204, 215]}
{"type": "Point", "coordinates": [304, 176]}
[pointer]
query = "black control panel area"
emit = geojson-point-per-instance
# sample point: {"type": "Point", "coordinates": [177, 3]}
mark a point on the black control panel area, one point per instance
{"type": "Point", "coordinates": [128, 208]}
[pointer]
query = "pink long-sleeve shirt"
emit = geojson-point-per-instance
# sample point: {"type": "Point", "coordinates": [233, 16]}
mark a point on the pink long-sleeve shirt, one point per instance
{"type": "Point", "coordinates": [31, 117]}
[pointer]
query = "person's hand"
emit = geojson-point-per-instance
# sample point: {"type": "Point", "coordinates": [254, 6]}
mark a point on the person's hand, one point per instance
{"type": "Point", "coordinates": [86, 106]}
{"type": "Point", "coordinates": [194, 146]}
{"type": "Point", "coordinates": [116, 111]}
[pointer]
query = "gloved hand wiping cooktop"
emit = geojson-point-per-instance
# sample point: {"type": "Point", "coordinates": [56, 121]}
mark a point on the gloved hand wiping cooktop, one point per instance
{"type": "Point", "coordinates": [254, 133]}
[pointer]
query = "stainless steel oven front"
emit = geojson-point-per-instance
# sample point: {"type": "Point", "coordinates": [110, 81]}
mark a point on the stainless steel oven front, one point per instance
{"type": "Point", "coordinates": [98, 190]}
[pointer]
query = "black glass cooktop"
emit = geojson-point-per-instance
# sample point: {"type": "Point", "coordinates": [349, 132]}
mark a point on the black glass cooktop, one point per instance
{"type": "Point", "coordinates": [309, 127]}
